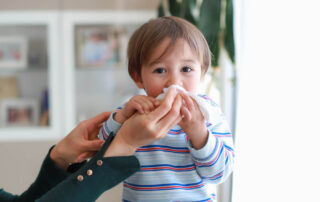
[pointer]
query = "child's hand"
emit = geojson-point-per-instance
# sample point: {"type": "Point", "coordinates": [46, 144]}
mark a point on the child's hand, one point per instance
{"type": "Point", "coordinates": [193, 122]}
{"type": "Point", "coordinates": [141, 103]}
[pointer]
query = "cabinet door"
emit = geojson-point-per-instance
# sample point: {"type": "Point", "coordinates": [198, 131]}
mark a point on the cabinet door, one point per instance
{"type": "Point", "coordinates": [29, 70]}
{"type": "Point", "coordinates": [95, 65]}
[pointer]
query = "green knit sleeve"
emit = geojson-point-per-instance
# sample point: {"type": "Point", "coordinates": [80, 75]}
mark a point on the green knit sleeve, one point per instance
{"type": "Point", "coordinates": [49, 176]}
{"type": "Point", "coordinates": [94, 178]}
{"type": "Point", "coordinates": [5, 196]}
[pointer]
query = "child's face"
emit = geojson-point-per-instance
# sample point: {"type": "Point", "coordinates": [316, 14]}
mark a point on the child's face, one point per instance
{"type": "Point", "coordinates": [179, 66]}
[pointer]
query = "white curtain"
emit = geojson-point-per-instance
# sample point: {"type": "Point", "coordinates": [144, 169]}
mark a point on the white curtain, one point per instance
{"type": "Point", "coordinates": [278, 122]}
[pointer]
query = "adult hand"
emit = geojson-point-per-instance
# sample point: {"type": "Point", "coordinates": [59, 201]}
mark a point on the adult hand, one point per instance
{"type": "Point", "coordinates": [80, 143]}
{"type": "Point", "coordinates": [143, 129]}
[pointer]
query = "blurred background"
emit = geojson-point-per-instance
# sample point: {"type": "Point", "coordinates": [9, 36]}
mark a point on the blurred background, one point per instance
{"type": "Point", "coordinates": [63, 61]}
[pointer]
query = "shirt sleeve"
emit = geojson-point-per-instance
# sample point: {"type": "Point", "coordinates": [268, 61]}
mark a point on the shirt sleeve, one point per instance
{"type": "Point", "coordinates": [214, 162]}
{"type": "Point", "coordinates": [108, 127]}
{"type": "Point", "coordinates": [94, 178]}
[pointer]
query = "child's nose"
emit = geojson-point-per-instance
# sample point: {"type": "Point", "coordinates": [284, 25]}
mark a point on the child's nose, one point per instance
{"type": "Point", "coordinates": [174, 80]}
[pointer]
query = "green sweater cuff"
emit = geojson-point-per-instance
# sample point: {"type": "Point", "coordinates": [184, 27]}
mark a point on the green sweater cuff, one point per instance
{"type": "Point", "coordinates": [94, 178]}
{"type": "Point", "coordinates": [49, 176]}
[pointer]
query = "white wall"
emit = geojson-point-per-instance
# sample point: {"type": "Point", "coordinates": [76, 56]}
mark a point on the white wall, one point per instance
{"type": "Point", "coordinates": [278, 131]}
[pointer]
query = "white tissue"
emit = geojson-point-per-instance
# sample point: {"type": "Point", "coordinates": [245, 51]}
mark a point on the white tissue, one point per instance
{"type": "Point", "coordinates": [209, 112]}
{"type": "Point", "coordinates": [165, 90]}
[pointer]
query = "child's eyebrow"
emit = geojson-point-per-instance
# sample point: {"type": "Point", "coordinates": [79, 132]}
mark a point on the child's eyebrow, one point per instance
{"type": "Point", "coordinates": [155, 62]}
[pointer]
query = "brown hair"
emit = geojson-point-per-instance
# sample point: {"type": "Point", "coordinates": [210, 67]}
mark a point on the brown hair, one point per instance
{"type": "Point", "coordinates": [147, 38]}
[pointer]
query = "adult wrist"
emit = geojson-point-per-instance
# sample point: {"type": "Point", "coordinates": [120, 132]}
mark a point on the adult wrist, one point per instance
{"type": "Point", "coordinates": [118, 147]}
{"type": "Point", "coordinates": [56, 157]}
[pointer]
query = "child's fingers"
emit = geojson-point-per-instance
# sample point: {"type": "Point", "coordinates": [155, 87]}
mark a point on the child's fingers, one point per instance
{"type": "Point", "coordinates": [149, 104]}
{"type": "Point", "coordinates": [145, 105]}
{"type": "Point", "coordinates": [156, 102]}
{"type": "Point", "coordinates": [188, 101]}
{"type": "Point", "coordinates": [133, 106]}
{"type": "Point", "coordinates": [185, 113]}
{"type": "Point", "coordinates": [136, 105]}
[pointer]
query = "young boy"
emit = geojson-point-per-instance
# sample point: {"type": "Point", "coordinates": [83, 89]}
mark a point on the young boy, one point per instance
{"type": "Point", "coordinates": [163, 52]}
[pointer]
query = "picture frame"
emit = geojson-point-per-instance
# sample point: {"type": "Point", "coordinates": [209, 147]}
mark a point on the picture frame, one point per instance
{"type": "Point", "coordinates": [100, 45]}
{"type": "Point", "coordinates": [13, 52]}
{"type": "Point", "coordinates": [8, 87]}
{"type": "Point", "coordinates": [19, 112]}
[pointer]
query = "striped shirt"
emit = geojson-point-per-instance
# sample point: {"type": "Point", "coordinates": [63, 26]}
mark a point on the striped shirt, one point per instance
{"type": "Point", "coordinates": [172, 170]}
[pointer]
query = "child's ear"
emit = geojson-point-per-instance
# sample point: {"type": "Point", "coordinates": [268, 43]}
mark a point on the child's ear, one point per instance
{"type": "Point", "coordinates": [137, 80]}
{"type": "Point", "coordinates": [203, 74]}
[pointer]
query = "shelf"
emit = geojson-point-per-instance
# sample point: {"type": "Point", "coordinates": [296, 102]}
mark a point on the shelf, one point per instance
{"type": "Point", "coordinates": [36, 69]}
{"type": "Point", "coordinates": [106, 87]}
{"type": "Point", "coordinates": [77, 89]}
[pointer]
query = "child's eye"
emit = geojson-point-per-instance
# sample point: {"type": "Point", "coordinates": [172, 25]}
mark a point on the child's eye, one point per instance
{"type": "Point", "coordinates": [186, 69]}
{"type": "Point", "coordinates": [159, 70]}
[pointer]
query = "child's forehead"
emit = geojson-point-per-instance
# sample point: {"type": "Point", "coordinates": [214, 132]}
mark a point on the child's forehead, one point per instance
{"type": "Point", "coordinates": [165, 48]}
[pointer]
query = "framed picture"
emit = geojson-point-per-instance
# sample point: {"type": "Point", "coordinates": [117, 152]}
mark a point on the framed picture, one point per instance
{"type": "Point", "coordinates": [8, 87]}
{"type": "Point", "coordinates": [13, 52]}
{"type": "Point", "coordinates": [100, 45]}
{"type": "Point", "coordinates": [19, 112]}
